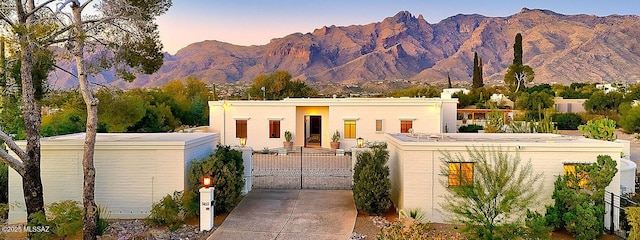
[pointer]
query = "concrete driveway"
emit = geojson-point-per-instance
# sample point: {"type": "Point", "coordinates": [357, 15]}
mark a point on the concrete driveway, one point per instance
{"type": "Point", "coordinates": [290, 214]}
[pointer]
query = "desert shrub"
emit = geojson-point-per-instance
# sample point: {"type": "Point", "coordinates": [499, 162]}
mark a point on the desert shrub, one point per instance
{"type": "Point", "coordinates": [409, 228]}
{"type": "Point", "coordinates": [65, 217]}
{"type": "Point", "coordinates": [633, 217]}
{"type": "Point", "coordinates": [37, 220]}
{"type": "Point", "coordinates": [4, 210]}
{"type": "Point", "coordinates": [567, 121]}
{"type": "Point", "coordinates": [415, 213]}
{"type": "Point", "coordinates": [4, 182]}
{"type": "Point", "coordinates": [602, 129]}
{"type": "Point", "coordinates": [167, 212]}
{"type": "Point", "coordinates": [471, 128]}
{"type": "Point", "coordinates": [536, 226]}
{"type": "Point", "coordinates": [226, 168]}
{"type": "Point", "coordinates": [371, 184]}
{"type": "Point", "coordinates": [103, 224]}
{"type": "Point", "coordinates": [579, 208]}
{"type": "Point", "coordinates": [190, 204]}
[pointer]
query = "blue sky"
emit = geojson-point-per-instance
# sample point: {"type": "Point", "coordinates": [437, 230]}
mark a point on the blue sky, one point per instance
{"type": "Point", "coordinates": [255, 22]}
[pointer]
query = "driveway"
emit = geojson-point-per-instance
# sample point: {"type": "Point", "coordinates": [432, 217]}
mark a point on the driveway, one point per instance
{"type": "Point", "coordinates": [290, 214]}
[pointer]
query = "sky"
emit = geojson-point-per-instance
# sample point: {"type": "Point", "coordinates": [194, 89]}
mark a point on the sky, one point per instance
{"type": "Point", "coordinates": [256, 22]}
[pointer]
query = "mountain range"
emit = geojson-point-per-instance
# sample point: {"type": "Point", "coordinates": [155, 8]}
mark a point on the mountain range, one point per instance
{"type": "Point", "coordinates": [560, 48]}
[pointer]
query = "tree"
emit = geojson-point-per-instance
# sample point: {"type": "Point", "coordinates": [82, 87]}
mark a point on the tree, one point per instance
{"type": "Point", "coordinates": [534, 103]}
{"type": "Point", "coordinates": [518, 74]}
{"type": "Point", "coordinates": [602, 103]}
{"type": "Point", "coordinates": [477, 71]}
{"type": "Point", "coordinates": [371, 183]}
{"type": "Point", "coordinates": [278, 85]}
{"type": "Point", "coordinates": [121, 35]}
{"type": "Point", "coordinates": [28, 30]}
{"type": "Point", "coordinates": [630, 118]}
{"type": "Point", "coordinates": [449, 85]}
{"type": "Point", "coordinates": [494, 204]}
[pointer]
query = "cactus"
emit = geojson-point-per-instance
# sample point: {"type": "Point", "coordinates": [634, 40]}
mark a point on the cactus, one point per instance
{"type": "Point", "coordinates": [603, 129]}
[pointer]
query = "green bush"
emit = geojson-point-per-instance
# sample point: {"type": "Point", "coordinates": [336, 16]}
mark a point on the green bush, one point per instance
{"type": "Point", "coordinates": [630, 119]}
{"type": "Point", "coordinates": [226, 168]}
{"type": "Point", "coordinates": [579, 208]}
{"type": "Point", "coordinates": [567, 121]}
{"type": "Point", "coordinates": [4, 182]}
{"type": "Point", "coordinates": [65, 217]}
{"type": "Point", "coordinates": [168, 212]}
{"type": "Point", "coordinates": [471, 128]}
{"type": "Point", "coordinates": [371, 184]}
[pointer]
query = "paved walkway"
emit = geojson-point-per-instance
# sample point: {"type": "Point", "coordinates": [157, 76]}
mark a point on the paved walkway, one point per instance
{"type": "Point", "coordinates": [290, 214]}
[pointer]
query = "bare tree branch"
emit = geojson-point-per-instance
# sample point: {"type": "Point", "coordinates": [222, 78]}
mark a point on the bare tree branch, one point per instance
{"type": "Point", "coordinates": [36, 9]}
{"type": "Point", "coordinates": [65, 70]}
{"type": "Point", "coordinates": [14, 163]}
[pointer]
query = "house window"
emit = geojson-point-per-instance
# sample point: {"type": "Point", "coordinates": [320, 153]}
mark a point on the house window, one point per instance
{"type": "Point", "coordinates": [405, 125]}
{"type": "Point", "coordinates": [460, 173]}
{"type": "Point", "coordinates": [349, 129]}
{"type": "Point", "coordinates": [241, 128]}
{"type": "Point", "coordinates": [379, 125]}
{"type": "Point", "coordinates": [274, 128]}
{"type": "Point", "coordinates": [570, 169]}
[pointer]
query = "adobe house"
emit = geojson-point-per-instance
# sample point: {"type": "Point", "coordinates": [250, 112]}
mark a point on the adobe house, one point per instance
{"type": "Point", "coordinates": [313, 121]}
{"type": "Point", "coordinates": [133, 170]}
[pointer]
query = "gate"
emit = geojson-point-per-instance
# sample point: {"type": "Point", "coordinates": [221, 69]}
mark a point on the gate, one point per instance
{"type": "Point", "coordinates": [615, 217]}
{"type": "Point", "coordinates": [302, 168]}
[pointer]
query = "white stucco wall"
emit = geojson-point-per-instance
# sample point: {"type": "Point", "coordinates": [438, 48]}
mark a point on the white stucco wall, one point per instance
{"type": "Point", "coordinates": [132, 170]}
{"type": "Point", "coordinates": [415, 166]}
{"type": "Point", "coordinates": [428, 115]}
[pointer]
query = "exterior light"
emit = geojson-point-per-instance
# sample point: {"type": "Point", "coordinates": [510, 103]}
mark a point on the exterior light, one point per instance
{"type": "Point", "coordinates": [360, 141]}
{"type": "Point", "coordinates": [206, 182]}
{"type": "Point", "coordinates": [243, 141]}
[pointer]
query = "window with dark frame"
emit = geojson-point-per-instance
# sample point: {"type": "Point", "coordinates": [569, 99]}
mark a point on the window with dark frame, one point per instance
{"type": "Point", "coordinates": [460, 173]}
{"type": "Point", "coordinates": [379, 125]}
{"type": "Point", "coordinates": [405, 125]}
{"type": "Point", "coordinates": [274, 128]}
{"type": "Point", "coordinates": [241, 128]}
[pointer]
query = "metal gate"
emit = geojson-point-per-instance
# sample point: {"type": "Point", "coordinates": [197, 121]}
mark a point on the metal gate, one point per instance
{"type": "Point", "coordinates": [615, 217]}
{"type": "Point", "coordinates": [302, 168]}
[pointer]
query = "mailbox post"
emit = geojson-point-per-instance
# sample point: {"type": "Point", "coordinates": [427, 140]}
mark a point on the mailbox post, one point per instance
{"type": "Point", "coordinates": [206, 205]}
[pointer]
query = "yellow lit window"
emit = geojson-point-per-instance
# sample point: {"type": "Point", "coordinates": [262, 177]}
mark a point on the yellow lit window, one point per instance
{"type": "Point", "coordinates": [379, 125]}
{"type": "Point", "coordinates": [583, 177]}
{"type": "Point", "coordinates": [405, 125]}
{"type": "Point", "coordinates": [349, 128]}
{"type": "Point", "coordinates": [460, 173]}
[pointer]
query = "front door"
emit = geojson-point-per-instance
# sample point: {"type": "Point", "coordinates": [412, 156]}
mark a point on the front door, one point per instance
{"type": "Point", "coordinates": [313, 131]}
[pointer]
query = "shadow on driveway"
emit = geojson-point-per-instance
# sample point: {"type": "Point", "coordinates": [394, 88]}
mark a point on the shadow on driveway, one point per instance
{"type": "Point", "coordinates": [290, 214]}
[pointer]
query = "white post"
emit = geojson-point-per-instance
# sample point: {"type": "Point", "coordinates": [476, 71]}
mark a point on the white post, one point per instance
{"type": "Point", "coordinates": [206, 208]}
{"type": "Point", "coordinates": [247, 159]}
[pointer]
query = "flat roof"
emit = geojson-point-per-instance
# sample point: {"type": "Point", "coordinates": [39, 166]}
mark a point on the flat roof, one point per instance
{"type": "Point", "coordinates": [495, 138]}
{"type": "Point", "coordinates": [336, 101]}
{"type": "Point", "coordinates": [130, 137]}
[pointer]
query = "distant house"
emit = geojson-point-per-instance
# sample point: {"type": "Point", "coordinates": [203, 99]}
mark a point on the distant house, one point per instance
{"type": "Point", "coordinates": [569, 105]}
{"type": "Point", "coordinates": [312, 122]}
{"type": "Point", "coordinates": [133, 170]}
{"type": "Point", "coordinates": [415, 164]}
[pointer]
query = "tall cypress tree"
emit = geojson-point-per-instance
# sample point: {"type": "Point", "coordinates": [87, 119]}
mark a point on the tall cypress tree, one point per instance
{"type": "Point", "coordinates": [517, 50]}
{"type": "Point", "coordinates": [449, 80]}
{"type": "Point", "coordinates": [477, 72]}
